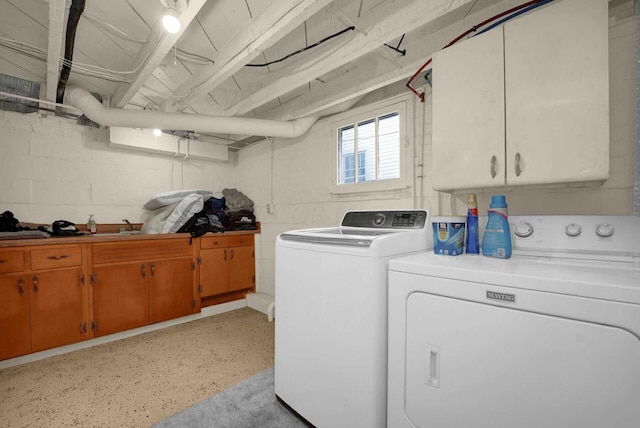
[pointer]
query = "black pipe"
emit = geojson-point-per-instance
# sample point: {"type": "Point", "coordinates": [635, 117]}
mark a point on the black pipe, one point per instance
{"type": "Point", "coordinates": [77, 7]}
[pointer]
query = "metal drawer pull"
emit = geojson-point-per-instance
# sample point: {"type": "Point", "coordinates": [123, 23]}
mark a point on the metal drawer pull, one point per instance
{"type": "Point", "coordinates": [231, 254]}
{"type": "Point", "coordinates": [493, 166]}
{"type": "Point", "coordinates": [518, 169]}
{"type": "Point", "coordinates": [60, 257]}
{"type": "Point", "coordinates": [20, 286]}
{"type": "Point", "coordinates": [35, 284]}
{"type": "Point", "coordinates": [153, 269]}
{"type": "Point", "coordinates": [143, 271]}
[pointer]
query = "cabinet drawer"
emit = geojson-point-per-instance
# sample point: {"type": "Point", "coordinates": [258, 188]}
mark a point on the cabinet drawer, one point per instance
{"type": "Point", "coordinates": [226, 241]}
{"type": "Point", "coordinates": [122, 252]}
{"type": "Point", "coordinates": [56, 257]}
{"type": "Point", "coordinates": [11, 261]}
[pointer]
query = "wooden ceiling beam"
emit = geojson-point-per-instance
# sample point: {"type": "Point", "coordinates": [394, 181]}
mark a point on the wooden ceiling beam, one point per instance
{"type": "Point", "coordinates": [375, 71]}
{"type": "Point", "coordinates": [279, 19]}
{"type": "Point", "coordinates": [56, 35]}
{"type": "Point", "coordinates": [388, 21]}
{"type": "Point", "coordinates": [152, 53]}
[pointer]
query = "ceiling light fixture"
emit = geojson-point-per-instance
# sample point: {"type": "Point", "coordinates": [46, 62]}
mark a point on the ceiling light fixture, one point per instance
{"type": "Point", "coordinates": [170, 22]}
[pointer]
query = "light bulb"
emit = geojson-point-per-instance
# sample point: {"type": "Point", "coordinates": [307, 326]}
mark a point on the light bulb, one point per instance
{"type": "Point", "coordinates": [157, 132]}
{"type": "Point", "coordinates": [170, 22]}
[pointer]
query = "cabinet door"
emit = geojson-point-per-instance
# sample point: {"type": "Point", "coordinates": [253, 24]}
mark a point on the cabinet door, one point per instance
{"type": "Point", "coordinates": [557, 86]}
{"type": "Point", "coordinates": [171, 293]}
{"type": "Point", "coordinates": [57, 308]}
{"type": "Point", "coordinates": [241, 268]}
{"type": "Point", "coordinates": [214, 273]}
{"type": "Point", "coordinates": [468, 114]}
{"type": "Point", "coordinates": [120, 297]}
{"type": "Point", "coordinates": [15, 335]}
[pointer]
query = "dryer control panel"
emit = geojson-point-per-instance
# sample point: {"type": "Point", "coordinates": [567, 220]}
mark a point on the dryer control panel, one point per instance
{"type": "Point", "coordinates": [608, 235]}
{"type": "Point", "coordinates": [409, 219]}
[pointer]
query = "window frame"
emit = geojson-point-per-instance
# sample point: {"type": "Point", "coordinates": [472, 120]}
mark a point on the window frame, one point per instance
{"type": "Point", "coordinates": [402, 106]}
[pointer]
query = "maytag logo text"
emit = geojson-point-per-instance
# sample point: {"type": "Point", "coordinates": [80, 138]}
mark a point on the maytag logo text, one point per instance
{"type": "Point", "coordinates": [501, 296]}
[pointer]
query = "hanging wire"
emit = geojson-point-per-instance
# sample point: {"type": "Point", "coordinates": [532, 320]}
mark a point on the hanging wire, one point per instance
{"type": "Point", "coordinates": [525, 7]}
{"type": "Point", "coordinates": [303, 49]}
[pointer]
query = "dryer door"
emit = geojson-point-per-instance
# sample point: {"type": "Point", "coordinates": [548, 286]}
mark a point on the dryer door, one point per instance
{"type": "Point", "coordinates": [471, 364]}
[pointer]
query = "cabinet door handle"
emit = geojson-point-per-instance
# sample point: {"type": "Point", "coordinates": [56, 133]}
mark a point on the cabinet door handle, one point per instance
{"type": "Point", "coordinates": [143, 271]}
{"type": "Point", "coordinates": [518, 169]}
{"type": "Point", "coordinates": [494, 160]}
{"type": "Point", "coordinates": [153, 269]}
{"type": "Point", "coordinates": [60, 257]}
{"type": "Point", "coordinates": [35, 284]}
{"type": "Point", "coordinates": [225, 254]}
{"type": "Point", "coordinates": [21, 286]}
{"type": "Point", "coordinates": [232, 254]}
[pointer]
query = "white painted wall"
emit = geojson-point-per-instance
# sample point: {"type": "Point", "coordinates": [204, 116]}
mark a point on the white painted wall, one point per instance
{"type": "Point", "coordinates": [53, 169]}
{"type": "Point", "coordinates": [292, 175]}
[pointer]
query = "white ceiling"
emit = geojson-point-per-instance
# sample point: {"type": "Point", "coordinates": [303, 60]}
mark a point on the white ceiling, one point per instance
{"type": "Point", "coordinates": [204, 68]}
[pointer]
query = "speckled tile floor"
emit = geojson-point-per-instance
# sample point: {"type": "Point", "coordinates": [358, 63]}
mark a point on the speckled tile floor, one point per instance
{"type": "Point", "coordinates": [141, 380]}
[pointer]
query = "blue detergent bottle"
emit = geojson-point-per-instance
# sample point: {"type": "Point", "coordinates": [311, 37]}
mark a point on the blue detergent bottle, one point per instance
{"type": "Point", "coordinates": [471, 243]}
{"type": "Point", "coordinates": [496, 241]}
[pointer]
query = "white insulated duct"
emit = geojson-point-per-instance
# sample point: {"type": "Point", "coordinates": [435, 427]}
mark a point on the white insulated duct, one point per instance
{"type": "Point", "coordinates": [94, 110]}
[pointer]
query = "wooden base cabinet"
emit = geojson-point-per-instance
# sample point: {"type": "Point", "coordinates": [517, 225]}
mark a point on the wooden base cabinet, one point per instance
{"type": "Point", "coordinates": [44, 306]}
{"type": "Point", "coordinates": [136, 283]}
{"type": "Point", "coordinates": [58, 294]}
{"type": "Point", "coordinates": [120, 298]}
{"type": "Point", "coordinates": [226, 264]}
{"type": "Point", "coordinates": [15, 338]}
{"type": "Point", "coordinates": [57, 308]}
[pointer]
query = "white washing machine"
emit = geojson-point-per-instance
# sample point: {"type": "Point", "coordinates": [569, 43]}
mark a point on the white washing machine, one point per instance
{"type": "Point", "coordinates": [331, 315]}
{"type": "Point", "coordinates": [548, 338]}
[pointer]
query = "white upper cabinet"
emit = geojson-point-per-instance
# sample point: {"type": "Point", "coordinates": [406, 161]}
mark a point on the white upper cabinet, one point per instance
{"type": "Point", "coordinates": [527, 103]}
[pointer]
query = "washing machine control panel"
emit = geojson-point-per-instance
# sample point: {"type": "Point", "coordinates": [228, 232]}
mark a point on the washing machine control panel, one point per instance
{"type": "Point", "coordinates": [409, 219]}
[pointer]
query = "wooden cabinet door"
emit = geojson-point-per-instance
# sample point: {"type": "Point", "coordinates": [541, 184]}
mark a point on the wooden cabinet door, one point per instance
{"type": "Point", "coordinates": [468, 114]}
{"type": "Point", "coordinates": [171, 293]}
{"type": "Point", "coordinates": [57, 308]}
{"type": "Point", "coordinates": [15, 335]}
{"type": "Point", "coordinates": [214, 271]}
{"type": "Point", "coordinates": [241, 268]}
{"type": "Point", "coordinates": [120, 297]}
{"type": "Point", "coordinates": [557, 93]}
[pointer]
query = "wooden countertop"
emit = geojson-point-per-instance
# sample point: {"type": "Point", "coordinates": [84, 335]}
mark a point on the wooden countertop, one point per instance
{"type": "Point", "coordinates": [88, 238]}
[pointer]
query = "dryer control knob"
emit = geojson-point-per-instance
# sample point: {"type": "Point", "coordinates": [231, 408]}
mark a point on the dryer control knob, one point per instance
{"type": "Point", "coordinates": [523, 229]}
{"type": "Point", "coordinates": [604, 230]}
{"type": "Point", "coordinates": [573, 229]}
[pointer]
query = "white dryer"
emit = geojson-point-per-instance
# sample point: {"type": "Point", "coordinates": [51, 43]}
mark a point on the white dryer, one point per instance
{"type": "Point", "coordinates": [548, 338]}
{"type": "Point", "coordinates": [331, 315]}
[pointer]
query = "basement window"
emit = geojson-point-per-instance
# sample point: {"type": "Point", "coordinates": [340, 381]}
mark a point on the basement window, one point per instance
{"type": "Point", "coordinates": [371, 150]}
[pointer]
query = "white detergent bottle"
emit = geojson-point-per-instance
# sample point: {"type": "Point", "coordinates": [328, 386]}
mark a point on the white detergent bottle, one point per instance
{"type": "Point", "coordinates": [496, 240]}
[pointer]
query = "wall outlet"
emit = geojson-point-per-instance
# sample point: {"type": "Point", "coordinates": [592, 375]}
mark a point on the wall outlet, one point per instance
{"type": "Point", "coordinates": [268, 208]}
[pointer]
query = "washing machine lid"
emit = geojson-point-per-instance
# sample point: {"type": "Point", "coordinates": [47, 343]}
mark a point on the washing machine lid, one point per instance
{"type": "Point", "coordinates": [379, 233]}
{"type": "Point", "coordinates": [336, 236]}
{"type": "Point", "coordinates": [616, 281]}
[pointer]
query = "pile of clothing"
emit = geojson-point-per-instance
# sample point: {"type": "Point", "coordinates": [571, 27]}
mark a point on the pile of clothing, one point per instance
{"type": "Point", "coordinates": [197, 212]}
{"type": "Point", "coordinates": [12, 228]}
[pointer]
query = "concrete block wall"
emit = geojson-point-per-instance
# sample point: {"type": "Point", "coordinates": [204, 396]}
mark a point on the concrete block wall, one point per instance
{"type": "Point", "coordinates": [293, 175]}
{"type": "Point", "coordinates": [53, 169]}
